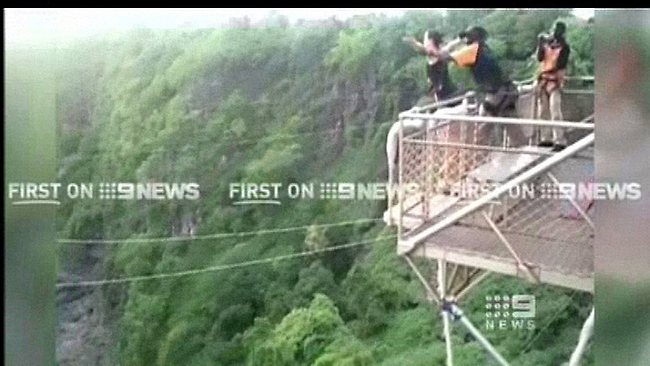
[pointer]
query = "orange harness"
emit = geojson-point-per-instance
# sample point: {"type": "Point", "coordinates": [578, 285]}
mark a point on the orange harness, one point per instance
{"type": "Point", "coordinates": [549, 78]}
{"type": "Point", "coordinates": [549, 82]}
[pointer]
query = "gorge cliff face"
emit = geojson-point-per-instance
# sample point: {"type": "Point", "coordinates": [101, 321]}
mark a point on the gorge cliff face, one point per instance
{"type": "Point", "coordinates": [89, 317]}
{"type": "Point", "coordinates": [305, 104]}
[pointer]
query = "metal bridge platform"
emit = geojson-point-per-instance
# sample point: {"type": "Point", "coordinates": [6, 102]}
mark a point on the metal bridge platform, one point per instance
{"type": "Point", "coordinates": [552, 262]}
{"type": "Point", "coordinates": [477, 195]}
{"type": "Point", "coordinates": [546, 232]}
{"type": "Point", "coordinates": [472, 202]}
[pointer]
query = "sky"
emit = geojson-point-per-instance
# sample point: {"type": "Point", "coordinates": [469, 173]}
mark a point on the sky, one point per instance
{"type": "Point", "coordinates": [27, 27]}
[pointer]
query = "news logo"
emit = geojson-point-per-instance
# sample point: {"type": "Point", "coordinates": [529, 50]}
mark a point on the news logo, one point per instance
{"type": "Point", "coordinates": [509, 312]}
{"type": "Point", "coordinates": [30, 193]}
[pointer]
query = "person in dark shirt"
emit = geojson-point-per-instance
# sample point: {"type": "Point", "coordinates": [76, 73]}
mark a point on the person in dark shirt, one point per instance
{"type": "Point", "coordinates": [500, 92]}
{"type": "Point", "coordinates": [553, 56]}
{"type": "Point", "coordinates": [470, 50]}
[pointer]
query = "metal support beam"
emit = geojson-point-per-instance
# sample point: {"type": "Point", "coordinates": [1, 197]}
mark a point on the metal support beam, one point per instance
{"type": "Point", "coordinates": [437, 104]}
{"type": "Point", "coordinates": [464, 291]}
{"type": "Point", "coordinates": [452, 277]}
{"type": "Point", "coordinates": [432, 294]}
{"type": "Point", "coordinates": [400, 179]}
{"type": "Point", "coordinates": [465, 279]}
{"type": "Point", "coordinates": [498, 120]}
{"type": "Point", "coordinates": [507, 244]}
{"type": "Point", "coordinates": [442, 278]}
{"type": "Point", "coordinates": [585, 335]}
{"type": "Point", "coordinates": [442, 292]}
{"type": "Point", "coordinates": [577, 281]}
{"type": "Point", "coordinates": [391, 186]}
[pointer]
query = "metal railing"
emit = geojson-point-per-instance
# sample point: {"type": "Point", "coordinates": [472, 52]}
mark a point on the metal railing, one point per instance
{"type": "Point", "coordinates": [437, 162]}
{"type": "Point", "coordinates": [449, 155]}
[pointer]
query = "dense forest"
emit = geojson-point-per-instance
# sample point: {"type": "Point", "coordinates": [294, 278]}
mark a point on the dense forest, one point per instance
{"type": "Point", "coordinates": [270, 102]}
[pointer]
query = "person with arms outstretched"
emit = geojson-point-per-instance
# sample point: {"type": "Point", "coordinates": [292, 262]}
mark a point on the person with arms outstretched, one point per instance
{"type": "Point", "coordinates": [440, 85]}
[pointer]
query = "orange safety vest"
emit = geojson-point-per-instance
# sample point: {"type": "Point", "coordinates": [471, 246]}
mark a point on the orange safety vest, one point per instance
{"type": "Point", "coordinates": [550, 77]}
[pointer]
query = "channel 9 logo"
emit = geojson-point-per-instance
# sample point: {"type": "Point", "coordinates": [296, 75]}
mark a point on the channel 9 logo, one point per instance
{"type": "Point", "coordinates": [504, 312]}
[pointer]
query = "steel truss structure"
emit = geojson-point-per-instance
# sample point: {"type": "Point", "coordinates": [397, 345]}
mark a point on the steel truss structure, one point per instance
{"type": "Point", "coordinates": [476, 195]}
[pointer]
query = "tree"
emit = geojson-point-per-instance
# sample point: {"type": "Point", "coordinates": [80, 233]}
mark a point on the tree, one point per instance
{"type": "Point", "coordinates": [306, 336]}
{"type": "Point", "coordinates": [279, 104]}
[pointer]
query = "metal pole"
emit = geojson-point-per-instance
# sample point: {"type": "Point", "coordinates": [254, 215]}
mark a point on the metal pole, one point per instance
{"type": "Point", "coordinates": [437, 104]}
{"type": "Point", "coordinates": [479, 147]}
{"type": "Point", "coordinates": [391, 188]}
{"type": "Point", "coordinates": [452, 278]}
{"type": "Point", "coordinates": [479, 337]}
{"type": "Point", "coordinates": [585, 334]}
{"type": "Point", "coordinates": [499, 120]}
{"type": "Point", "coordinates": [508, 246]}
{"type": "Point", "coordinates": [464, 291]}
{"type": "Point", "coordinates": [442, 292]}
{"type": "Point", "coordinates": [433, 295]}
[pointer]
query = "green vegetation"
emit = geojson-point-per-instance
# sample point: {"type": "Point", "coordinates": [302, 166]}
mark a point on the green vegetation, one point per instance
{"type": "Point", "coordinates": [275, 104]}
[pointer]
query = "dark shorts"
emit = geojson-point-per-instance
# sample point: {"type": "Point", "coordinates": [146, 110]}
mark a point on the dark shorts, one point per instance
{"type": "Point", "coordinates": [503, 100]}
